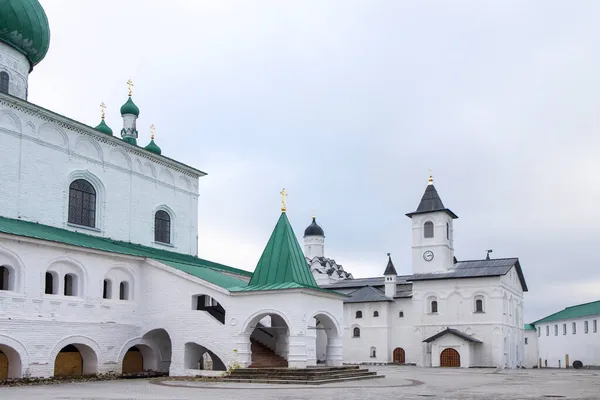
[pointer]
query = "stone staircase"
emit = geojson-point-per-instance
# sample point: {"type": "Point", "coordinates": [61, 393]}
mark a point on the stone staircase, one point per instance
{"type": "Point", "coordinates": [264, 357]}
{"type": "Point", "coordinates": [301, 376]}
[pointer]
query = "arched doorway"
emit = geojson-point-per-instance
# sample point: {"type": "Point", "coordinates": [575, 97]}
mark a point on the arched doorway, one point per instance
{"type": "Point", "coordinates": [159, 339]}
{"type": "Point", "coordinates": [75, 360]}
{"type": "Point", "coordinates": [268, 334]}
{"type": "Point", "coordinates": [450, 358]}
{"type": "Point", "coordinates": [133, 361]}
{"type": "Point", "coordinates": [399, 356]}
{"type": "Point", "coordinates": [10, 363]}
{"type": "Point", "coordinates": [199, 357]}
{"type": "Point", "coordinates": [3, 366]}
{"type": "Point", "coordinates": [328, 343]}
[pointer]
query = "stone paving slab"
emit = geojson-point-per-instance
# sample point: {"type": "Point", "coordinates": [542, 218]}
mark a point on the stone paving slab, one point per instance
{"type": "Point", "coordinates": [409, 383]}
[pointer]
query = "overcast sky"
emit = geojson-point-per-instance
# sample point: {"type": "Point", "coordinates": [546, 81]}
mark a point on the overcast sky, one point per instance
{"type": "Point", "coordinates": [347, 104]}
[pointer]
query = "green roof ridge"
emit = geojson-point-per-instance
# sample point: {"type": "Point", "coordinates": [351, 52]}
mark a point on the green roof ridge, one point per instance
{"type": "Point", "coordinates": [577, 311]}
{"type": "Point", "coordinates": [190, 264]}
{"type": "Point", "coordinates": [282, 263]}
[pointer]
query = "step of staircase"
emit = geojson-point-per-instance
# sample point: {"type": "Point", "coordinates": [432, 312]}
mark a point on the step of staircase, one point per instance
{"type": "Point", "coordinates": [302, 376]}
{"type": "Point", "coordinates": [264, 357]}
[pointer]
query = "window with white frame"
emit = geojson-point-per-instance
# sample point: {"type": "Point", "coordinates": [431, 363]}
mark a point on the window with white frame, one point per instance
{"type": "Point", "coordinates": [574, 328]}
{"type": "Point", "coordinates": [555, 330]}
{"type": "Point", "coordinates": [479, 304]}
{"type": "Point", "coordinates": [595, 326]}
{"type": "Point", "coordinates": [7, 278]}
{"type": "Point", "coordinates": [356, 332]}
{"type": "Point", "coordinates": [124, 290]}
{"type": "Point", "coordinates": [428, 229]}
{"type": "Point", "coordinates": [585, 326]}
{"type": "Point", "coordinates": [564, 329]}
{"type": "Point", "coordinates": [358, 314]}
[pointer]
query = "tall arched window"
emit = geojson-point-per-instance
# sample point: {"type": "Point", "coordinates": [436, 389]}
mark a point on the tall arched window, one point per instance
{"type": "Point", "coordinates": [70, 285]}
{"type": "Point", "coordinates": [82, 203]}
{"type": "Point", "coordinates": [428, 229]}
{"type": "Point", "coordinates": [375, 314]}
{"type": "Point", "coordinates": [6, 278]}
{"type": "Point", "coordinates": [49, 283]}
{"type": "Point", "coordinates": [107, 289]}
{"type": "Point", "coordinates": [479, 305]}
{"type": "Point", "coordinates": [373, 352]}
{"type": "Point", "coordinates": [447, 231]}
{"type": "Point", "coordinates": [434, 306]}
{"type": "Point", "coordinates": [356, 332]}
{"type": "Point", "coordinates": [4, 80]}
{"type": "Point", "coordinates": [359, 314]}
{"type": "Point", "coordinates": [162, 227]}
{"type": "Point", "coordinates": [124, 291]}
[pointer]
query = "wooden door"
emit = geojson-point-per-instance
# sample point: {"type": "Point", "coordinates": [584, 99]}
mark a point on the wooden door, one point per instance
{"type": "Point", "coordinates": [450, 358]}
{"type": "Point", "coordinates": [3, 366]}
{"type": "Point", "coordinates": [68, 362]}
{"type": "Point", "coordinates": [399, 355]}
{"type": "Point", "coordinates": [133, 361]}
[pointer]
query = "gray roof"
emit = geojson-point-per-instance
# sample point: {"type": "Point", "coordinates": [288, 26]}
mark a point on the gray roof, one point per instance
{"type": "Point", "coordinates": [431, 202]}
{"type": "Point", "coordinates": [475, 269]}
{"type": "Point", "coordinates": [390, 269]}
{"type": "Point", "coordinates": [360, 282]}
{"type": "Point", "coordinates": [366, 294]}
{"type": "Point", "coordinates": [454, 332]}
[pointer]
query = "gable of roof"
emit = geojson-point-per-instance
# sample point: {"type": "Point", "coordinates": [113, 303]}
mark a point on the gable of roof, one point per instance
{"type": "Point", "coordinates": [218, 274]}
{"type": "Point", "coordinates": [578, 311]}
{"type": "Point", "coordinates": [454, 332]}
{"type": "Point", "coordinates": [366, 294]}
{"type": "Point", "coordinates": [476, 269]}
{"type": "Point", "coordinates": [282, 262]}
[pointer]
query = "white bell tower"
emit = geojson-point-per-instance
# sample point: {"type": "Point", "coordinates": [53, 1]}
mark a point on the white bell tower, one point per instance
{"type": "Point", "coordinates": [314, 240]}
{"type": "Point", "coordinates": [432, 233]}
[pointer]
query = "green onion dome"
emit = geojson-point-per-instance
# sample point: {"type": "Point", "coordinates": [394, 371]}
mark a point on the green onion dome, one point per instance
{"type": "Point", "coordinates": [24, 26]}
{"type": "Point", "coordinates": [129, 107]}
{"type": "Point", "coordinates": [153, 147]}
{"type": "Point", "coordinates": [102, 127]}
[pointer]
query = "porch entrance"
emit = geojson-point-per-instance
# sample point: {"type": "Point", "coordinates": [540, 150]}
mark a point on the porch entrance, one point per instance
{"type": "Point", "coordinates": [450, 358]}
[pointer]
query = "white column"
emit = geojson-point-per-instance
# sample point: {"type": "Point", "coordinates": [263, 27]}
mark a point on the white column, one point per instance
{"type": "Point", "coordinates": [297, 352]}
{"type": "Point", "coordinates": [335, 351]}
{"type": "Point", "coordinates": [244, 352]}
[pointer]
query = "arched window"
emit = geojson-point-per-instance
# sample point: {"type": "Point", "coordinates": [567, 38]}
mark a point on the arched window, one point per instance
{"type": "Point", "coordinates": [479, 305]}
{"type": "Point", "coordinates": [82, 203]}
{"type": "Point", "coordinates": [356, 332]}
{"type": "Point", "coordinates": [434, 307]}
{"type": "Point", "coordinates": [70, 288]}
{"type": "Point", "coordinates": [49, 283]}
{"type": "Point", "coordinates": [162, 227]}
{"type": "Point", "coordinates": [107, 289]}
{"type": "Point", "coordinates": [428, 229]}
{"type": "Point", "coordinates": [124, 291]}
{"type": "Point", "coordinates": [359, 314]}
{"type": "Point", "coordinates": [4, 80]}
{"type": "Point", "coordinates": [375, 314]}
{"type": "Point", "coordinates": [6, 278]}
{"type": "Point", "coordinates": [373, 352]}
{"type": "Point", "coordinates": [401, 314]}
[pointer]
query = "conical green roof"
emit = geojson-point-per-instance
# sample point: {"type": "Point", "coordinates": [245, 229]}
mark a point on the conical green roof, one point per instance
{"type": "Point", "coordinates": [282, 263]}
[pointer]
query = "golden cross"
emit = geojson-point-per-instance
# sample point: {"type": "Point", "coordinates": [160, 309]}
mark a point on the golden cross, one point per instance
{"type": "Point", "coordinates": [152, 130]}
{"type": "Point", "coordinates": [430, 177]}
{"type": "Point", "coordinates": [283, 196]}
{"type": "Point", "coordinates": [103, 107]}
{"type": "Point", "coordinates": [129, 85]}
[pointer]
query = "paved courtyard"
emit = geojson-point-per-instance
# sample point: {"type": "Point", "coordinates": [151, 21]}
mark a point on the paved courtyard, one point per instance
{"type": "Point", "coordinates": [400, 383]}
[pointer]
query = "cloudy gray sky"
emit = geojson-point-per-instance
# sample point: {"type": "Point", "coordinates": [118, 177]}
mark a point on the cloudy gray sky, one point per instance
{"type": "Point", "coordinates": [347, 104]}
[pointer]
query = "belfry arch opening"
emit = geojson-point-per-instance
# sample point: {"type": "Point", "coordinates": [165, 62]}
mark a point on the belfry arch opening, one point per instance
{"type": "Point", "coordinates": [269, 337]}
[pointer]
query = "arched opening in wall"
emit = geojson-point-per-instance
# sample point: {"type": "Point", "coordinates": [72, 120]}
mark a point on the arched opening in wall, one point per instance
{"type": "Point", "coordinates": [82, 203]}
{"type": "Point", "coordinates": [10, 363]}
{"type": "Point", "coordinates": [7, 278]}
{"type": "Point", "coordinates": [373, 352]}
{"type": "Point", "coordinates": [76, 360]}
{"type": "Point", "coordinates": [450, 358]}
{"type": "Point", "coordinates": [269, 341]}
{"type": "Point", "coordinates": [328, 345]}
{"type": "Point", "coordinates": [203, 302]}
{"type": "Point", "coordinates": [428, 229]}
{"type": "Point", "coordinates": [162, 227]}
{"type": "Point", "coordinates": [124, 290]}
{"type": "Point", "coordinates": [71, 285]}
{"type": "Point", "coordinates": [199, 357]}
{"type": "Point", "coordinates": [139, 358]}
{"type": "Point", "coordinates": [399, 356]}
{"type": "Point", "coordinates": [4, 82]}
{"type": "Point", "coordinates": [51, 283]}
{"type": "Point", "coordinates": [107, 289]}
{"type": "Point", "coordinates": [160, 340]}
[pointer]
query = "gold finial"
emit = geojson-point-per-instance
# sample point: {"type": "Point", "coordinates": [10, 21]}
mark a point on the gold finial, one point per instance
{"type": "Point", "coordinates": [430, 177]}
{"type": "Point", "coordinates": [129, 86]}
{"type": "Point", "coordinates": [103, 107]}
{"type": "Point", "coordinates": [152, 128]}
{"type": "Point", "coordinates": [283, 196]}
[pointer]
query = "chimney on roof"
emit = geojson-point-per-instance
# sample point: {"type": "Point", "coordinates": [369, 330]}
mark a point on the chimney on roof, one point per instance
{"type": "Point", "coordinates": [487, 256]}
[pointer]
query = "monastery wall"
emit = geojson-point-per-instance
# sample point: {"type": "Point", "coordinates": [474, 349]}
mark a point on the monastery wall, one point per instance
{"type": "Point", "coordinates": [49, 152]}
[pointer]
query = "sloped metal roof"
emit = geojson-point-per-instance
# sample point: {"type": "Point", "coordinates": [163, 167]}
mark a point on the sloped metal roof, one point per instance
{"type": "Point", "coordinates": [454, 332]}
{"type": "Point", "coordinates": [366, 294]}
{"type": "Point", "coordinates": [578, 311]}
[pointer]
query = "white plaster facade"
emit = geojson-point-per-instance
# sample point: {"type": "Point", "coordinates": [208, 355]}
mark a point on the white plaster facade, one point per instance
{"type": "Point", "coordinates": [16, 65]}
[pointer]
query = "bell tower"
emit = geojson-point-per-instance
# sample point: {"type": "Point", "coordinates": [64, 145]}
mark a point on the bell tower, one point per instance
{"type": "Point", "coordinates": [432, 233]}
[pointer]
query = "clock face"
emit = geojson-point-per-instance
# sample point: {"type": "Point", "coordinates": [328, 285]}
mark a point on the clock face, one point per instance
{"type": "Point", "coordinates": [428, 255]}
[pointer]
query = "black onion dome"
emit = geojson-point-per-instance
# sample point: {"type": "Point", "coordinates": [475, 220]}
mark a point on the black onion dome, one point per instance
{"type": "Point", "coordinates": [314, 229]}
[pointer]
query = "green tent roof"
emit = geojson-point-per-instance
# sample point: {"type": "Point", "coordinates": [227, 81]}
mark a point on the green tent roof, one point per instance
{"type": "Point", "coordinates": [218, 274]}
{"type": "Point", "coordinates": [581, 310]}
{"type": "Point", "coordinates": [282, 264]}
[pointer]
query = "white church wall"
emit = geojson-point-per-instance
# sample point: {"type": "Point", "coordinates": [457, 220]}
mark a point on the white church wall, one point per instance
{"type": "Point", "coordinates": [130, 184]}
{"type": "Point", "coordinates": [531, 349]}
{"type": "Point", "coordinates": [557, 340]}
{"type": "Point", "coordinates": [16, 65]}
{"type": "Point", "coordinates": [374, 333]}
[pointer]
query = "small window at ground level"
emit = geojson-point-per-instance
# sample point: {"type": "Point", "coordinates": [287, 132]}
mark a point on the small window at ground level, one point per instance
{"type": "Point", "coordinates": [585, 327]}
{"type": "Point", "coordinates": [356, 332]}
{"type": "Point", "coordinates": [375, 314]}
{"type": "Point", "coordinates": [359, 314]}
{"type": "Point", "coordinates": [401, 314]}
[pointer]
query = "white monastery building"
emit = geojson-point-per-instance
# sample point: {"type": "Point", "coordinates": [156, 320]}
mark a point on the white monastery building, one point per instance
{"type": "Point", "coordinates": [100, 272]}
